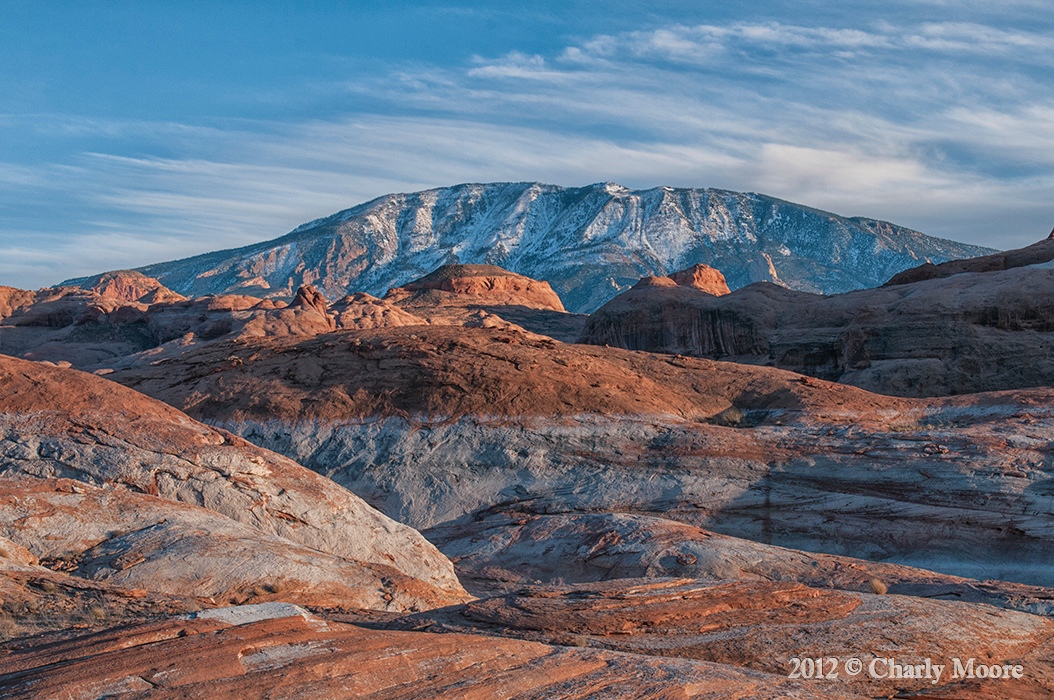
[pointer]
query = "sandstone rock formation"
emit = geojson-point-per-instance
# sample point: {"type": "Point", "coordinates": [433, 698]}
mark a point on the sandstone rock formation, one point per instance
{"type": "Point", "coordinates": [361, 311]}
{"type": "Point", "coordinates": [12, 299]}
{"type": "Point", "coordinates": [490, 285]}
{"type": "Point", "coordinates": [138, 542]}
{"type": "Point", "coordinates": [35, 599]}
{"type": "Point", "coordinates": [762, 626]}
{"type": "Point", "coordinates": [126, 318]}
{"type": "Point", "coordinates": [130, 286]}
{"type": "Point", "coordinates": [704, 278]}
{"type": "Point", "coordinates": [465, 294]}
{"type": "Point", "coordinates": [282, 652]}
{"type": "Point", "coordinates": [973, 331]}
{"type": "Point", "coordinates": [439, 426]}
{"type": "Point", "coordinates": [1035, 254]}
{"type": "Point", "coordinates": [66, 424]}
{"type": "Point", "coordinates": [501, 550]}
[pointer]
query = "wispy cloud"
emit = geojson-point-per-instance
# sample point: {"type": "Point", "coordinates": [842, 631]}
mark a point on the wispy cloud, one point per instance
{"type": "Point", "coordinates": [944, 127]}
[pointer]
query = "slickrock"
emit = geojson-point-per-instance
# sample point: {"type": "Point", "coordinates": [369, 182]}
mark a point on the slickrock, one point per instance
{"type": "Point", "coordinates": [308, 297]}
{"type": "Point", "coordinates": [361, 311]}
{"type": "Point", "coordinates": [13, 299]}
{"type": "Point", "coordinates": [442, 372]}
{"type": "Point", "coordinates": [35, 599]}
{"type": "Point", "coordinates": [298, 656]}
{"type": "Point", "coordinates": [488, 283]}
{"type": "Point", "coordinates": [952, 334]}
{"type": "Point", "coordinates": [438, 425]}
{"type": "Point", "coordinates": [124, 318]}
{"type": "Point", "coordinates": [763, 626]}
{"type": "Point", "coordinates": [498, 551]}
{"type": "Point", "coordinates": [141, 542]}
{"type": "Point", "coordinates": [65, 424]}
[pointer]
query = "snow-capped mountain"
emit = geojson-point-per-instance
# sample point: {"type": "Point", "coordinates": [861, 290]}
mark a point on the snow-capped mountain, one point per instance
{"type": "Point", "coordinates": [589, 243]}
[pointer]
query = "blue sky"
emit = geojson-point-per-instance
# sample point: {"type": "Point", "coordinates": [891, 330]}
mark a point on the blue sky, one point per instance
{"type": "Point", "coordinates": [135, 132]}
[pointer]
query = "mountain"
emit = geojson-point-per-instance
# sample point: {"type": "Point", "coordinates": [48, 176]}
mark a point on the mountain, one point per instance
{"type": "Point", "coordinates": [589, 243]}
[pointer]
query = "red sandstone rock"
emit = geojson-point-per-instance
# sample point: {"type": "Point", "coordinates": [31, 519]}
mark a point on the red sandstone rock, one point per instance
{"type": "Point", "coordinates": [361, 311]}
{"type": "Point", "coordinates": [129, 285]}
{"type": "Point", "coordinates": [277, 653]}
{"type": "Point", "coordinates": [63, 423]}
{"type": "Point", "coordinates": [451, 371]}
{"type": "Point", "coordinates": [704, 278]}
{"type": "Point", "coordinates": [953, 334]}
{"type": "Point", "coordinates": [489, 284]}
{"type": "Point", "coordinates": [763, 626]}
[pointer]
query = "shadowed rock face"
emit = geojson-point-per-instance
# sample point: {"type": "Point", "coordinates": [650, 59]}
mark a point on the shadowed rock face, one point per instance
{"type": "Point", "coordinates": [1035, 254]}
{"type": "Point", "coordinates": [36, 599]}
{"type": "Point", "coordinates": [501, 550]}
{"type": "Point", "coordinates": [440, 426]}
{"type": "Point", "coordinates": [65, 424]}
{"type": "Point", "coordinates": [959, 332]}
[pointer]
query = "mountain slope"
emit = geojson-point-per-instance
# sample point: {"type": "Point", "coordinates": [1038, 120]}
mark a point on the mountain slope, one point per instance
{"type": "Point", "coordinates": [589, 243]}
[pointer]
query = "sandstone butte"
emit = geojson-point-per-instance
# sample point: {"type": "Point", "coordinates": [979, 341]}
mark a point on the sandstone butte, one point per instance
{"type": "Point", "coordinates": [966, 326]}
{"type": "Point", "coordinates": [635, 524]}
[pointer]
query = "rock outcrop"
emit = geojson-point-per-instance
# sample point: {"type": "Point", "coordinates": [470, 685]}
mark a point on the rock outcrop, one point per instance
{"type": "Point", "coordinates": [486, 285]}
{"type": "Point", "coordinates": [360, 311]}
{"type": "Point", "coordinates": [504, 549]}
{"type": "Point", "coordinates": [1035, 254]}
{"type": "Point", "coordinates": [138, 542]}
{"type": "Point", "coordinates": [65, 424]}
{"type": "Point", "coordinates": [704, 278]}
{"type": "Point", "coordinates": [763, 626]}
{"type": "Point", "coordinates": [465, 295]}
{"type": "Point", "coordinates": [438, 426]}
{"type": "Point", "coordinates": [952, 334]}
{"type": "Point", "coordinates": [130, 286]}
{"type": "Point", "coordinates": [35, 599]}
{"type": "Point", "coordinates": [280, 651]}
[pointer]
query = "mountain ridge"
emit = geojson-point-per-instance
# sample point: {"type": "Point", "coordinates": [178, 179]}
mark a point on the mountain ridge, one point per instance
{"type": "Point", "coordinates": [589, 243]}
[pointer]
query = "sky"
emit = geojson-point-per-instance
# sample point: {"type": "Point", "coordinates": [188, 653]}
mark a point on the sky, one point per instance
{"type": "Point", "coordinates": [137, 132]}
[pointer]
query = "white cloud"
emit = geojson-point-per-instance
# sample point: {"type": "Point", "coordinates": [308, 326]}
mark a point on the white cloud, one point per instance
{"type": "Point", "coordinates": [943, 127]}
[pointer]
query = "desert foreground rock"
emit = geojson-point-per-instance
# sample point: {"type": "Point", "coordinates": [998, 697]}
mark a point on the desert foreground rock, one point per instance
{"type": "Point", "coordinates": [118, 486]}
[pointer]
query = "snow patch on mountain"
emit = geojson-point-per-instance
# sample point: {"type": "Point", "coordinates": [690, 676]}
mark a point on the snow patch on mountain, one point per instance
{"type": "Point", "coordinates": [589, 243]}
